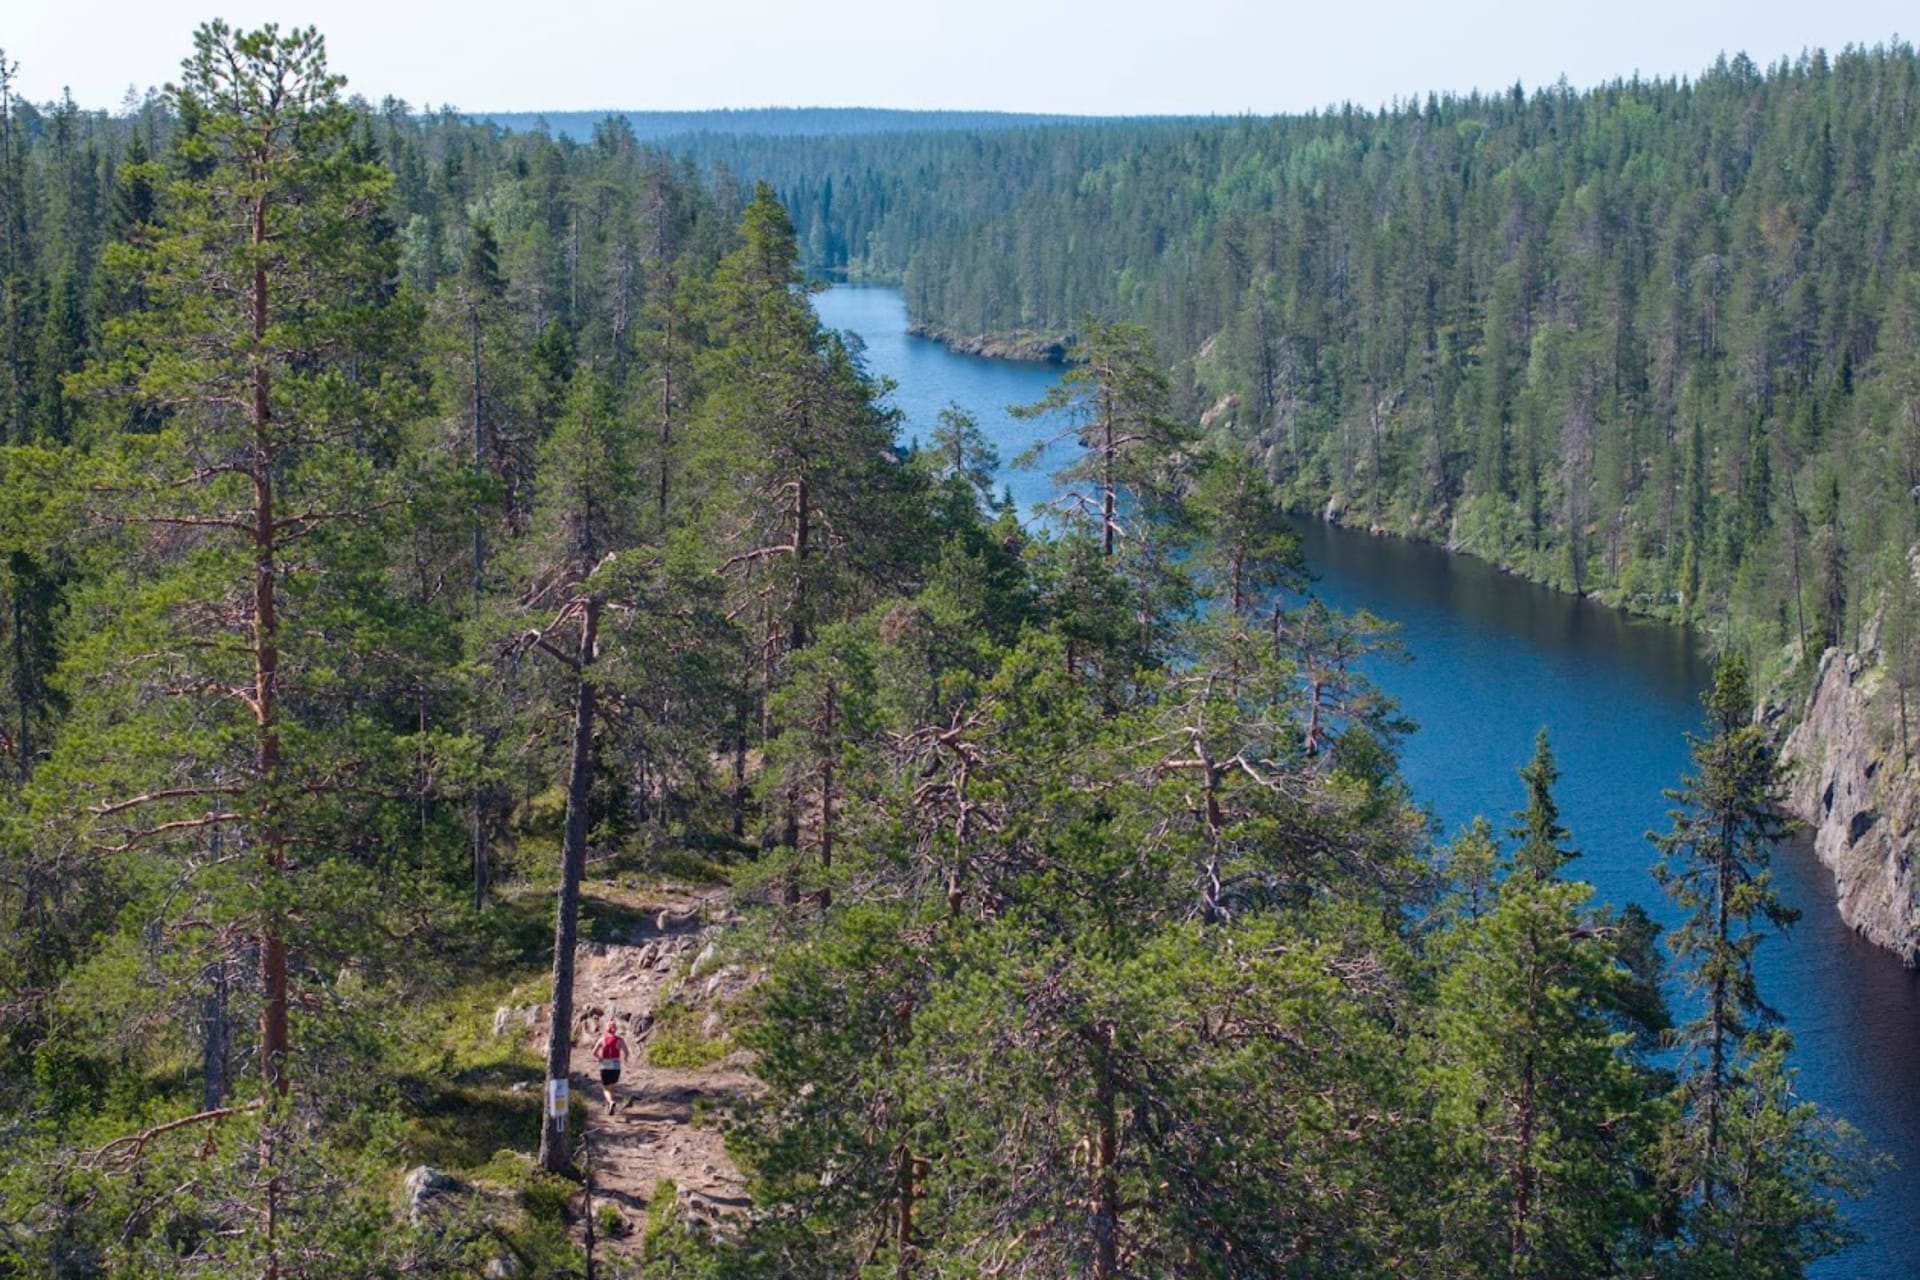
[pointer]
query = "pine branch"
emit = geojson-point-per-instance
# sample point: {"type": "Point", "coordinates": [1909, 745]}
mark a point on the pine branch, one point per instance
{"type": "Point", "coordinates": [122, 1153]}
{"type": "Point", "coordinates": [171, 793]}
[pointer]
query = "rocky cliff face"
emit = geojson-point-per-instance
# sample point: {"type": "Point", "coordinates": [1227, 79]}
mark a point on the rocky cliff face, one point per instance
{"type": "Point", "coordinates": [1850, 783]}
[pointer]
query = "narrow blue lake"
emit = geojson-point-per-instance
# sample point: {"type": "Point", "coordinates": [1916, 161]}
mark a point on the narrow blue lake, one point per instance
{"type": "Point", "coordinates": [1492, 659]}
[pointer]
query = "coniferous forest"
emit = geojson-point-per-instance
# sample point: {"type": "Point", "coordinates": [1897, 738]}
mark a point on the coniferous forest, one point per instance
{"type": "Point", "coordinates": [1655, 340]}
{"type": "Point", "coordinates": [428, 547]}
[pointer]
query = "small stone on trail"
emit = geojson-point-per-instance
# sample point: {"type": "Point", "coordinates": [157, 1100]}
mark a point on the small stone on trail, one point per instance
{"type": "Point", "coordinates": [727, 982]}
{"type": "Point", "coordinates": [705, 958]}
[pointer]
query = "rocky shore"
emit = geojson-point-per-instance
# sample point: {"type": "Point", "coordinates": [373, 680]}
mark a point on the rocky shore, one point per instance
{"type": "Point", "coordinates": [1851, 782]}
{"type": "Point", "coordinates": [1033, 347]}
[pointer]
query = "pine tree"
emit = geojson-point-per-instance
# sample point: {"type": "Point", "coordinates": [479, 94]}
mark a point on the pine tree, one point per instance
{"type": "Point", "coordinates": [1116, 401]}
{"type": "Point", "coordinates": [825, 708]}
{"type": "Point", "coordinates": [1246, 543]}
{"type": "Point", "coordinates": [587, 513]}
{"type": "Point", "coordinates": [1327, 648]}
{"type": "Point", "coordinates": [251, 279]}
{"type": "Point", "coordinates": [793, 423]}
{"type": "Point", "coordinates": [961, 450]}
{"type": "Point", "coordinates": [237, 742]}
{"type": "Point", "coordinates": [16, 274]}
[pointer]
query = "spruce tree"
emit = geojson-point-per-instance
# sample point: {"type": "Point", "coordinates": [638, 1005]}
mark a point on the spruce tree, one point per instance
{"type": "Point", "coordinates": [1537, 827]}
{"type": "Point", "coordinates": [1715, 865]}
{"type": "Point", "coordinates": [1757, 1175]}
{"type": "Point", "coordinates": [1540, 1100]}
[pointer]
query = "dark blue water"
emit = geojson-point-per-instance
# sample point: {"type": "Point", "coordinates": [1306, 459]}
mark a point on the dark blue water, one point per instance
{"type": "Point", "coordinates": [1492, 660]}
{"type": "Point", "coordinates": [928, 378]}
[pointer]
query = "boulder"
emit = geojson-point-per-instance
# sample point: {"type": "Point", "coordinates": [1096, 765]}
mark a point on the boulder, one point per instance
{"type": "Point", "coordinates": [424, 1185]}
{"type": "Point", "coordinates": [505, 1018]}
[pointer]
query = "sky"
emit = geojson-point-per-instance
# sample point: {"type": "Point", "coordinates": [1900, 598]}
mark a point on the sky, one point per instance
{"type": "Point", "coordinates": [1094, 57]}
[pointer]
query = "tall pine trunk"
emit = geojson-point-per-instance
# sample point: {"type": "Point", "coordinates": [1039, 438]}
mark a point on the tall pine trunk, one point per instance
{"type": "Point", "coordinates": [826, 788]}
{"type": "Point", "coordinates": [266, 687]}
{"type": "Point", "coordinates": [666, 411]}
{"type": "Point", "coordinates": [573, 860]}
{"type": "Point", "coordinates": [479, 459]}
{"type": "Point", "coordinates": [479, 815]}
{"type": "Point", "coordinates": [802, 535]}
{"type": "Point", "coordinates": [215, 1031]}
{"type": "Point", "coordinates": [269, 834]}
{"type": "Point", "coordinates": [1106, 1184]}
{"type": "Point", "coordinates": [1108, 484]}
{"type": "Point", "coordinates": [16, 432]}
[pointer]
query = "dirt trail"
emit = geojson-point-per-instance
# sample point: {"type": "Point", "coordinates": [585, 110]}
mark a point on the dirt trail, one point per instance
{"type": "Point", "coordinates": [655, 1134]}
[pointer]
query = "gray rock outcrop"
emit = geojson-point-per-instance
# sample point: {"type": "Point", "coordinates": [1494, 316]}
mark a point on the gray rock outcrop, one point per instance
{"type": "Point", "coordinates": [1850, 783]}
{"type": "Point", "coordinates": [422, 1187]}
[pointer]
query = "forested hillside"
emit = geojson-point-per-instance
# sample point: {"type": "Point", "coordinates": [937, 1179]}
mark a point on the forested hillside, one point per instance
{"type": "Point", "coordinates": [418, 536]}
{"type": "Point", "coordinates": [1655, 340]}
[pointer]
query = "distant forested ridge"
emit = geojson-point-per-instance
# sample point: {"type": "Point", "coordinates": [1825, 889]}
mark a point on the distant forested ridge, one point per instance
{"type": "Point", "coordinates": [771, 122]}
{"type": "Point", "coordinates": [1657, 340]}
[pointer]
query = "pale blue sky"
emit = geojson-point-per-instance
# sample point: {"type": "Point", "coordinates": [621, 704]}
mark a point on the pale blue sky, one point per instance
{"type": "Point", "coordinates": [1116, 57]}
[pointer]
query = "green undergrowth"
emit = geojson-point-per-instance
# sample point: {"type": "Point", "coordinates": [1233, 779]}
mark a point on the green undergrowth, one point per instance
{"type": "Point", "coordinates": [669, 1249]}
{"type": "Point", "coordinates": [527, 1216]}
{"type": "Point", "coordinates": [684, 863]}
{"type": "Point", "coordinates": [670, 856]}
{"type": "Point", "coordinates": [677, 1042]}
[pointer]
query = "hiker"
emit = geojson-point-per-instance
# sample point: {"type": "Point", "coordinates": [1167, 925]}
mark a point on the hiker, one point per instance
{"type": "Point", "coordinates": [611, 1051]}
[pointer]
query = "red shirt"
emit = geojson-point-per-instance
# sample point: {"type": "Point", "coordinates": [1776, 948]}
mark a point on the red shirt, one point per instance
{"type": "Point", "coordinates": [610, 1048]}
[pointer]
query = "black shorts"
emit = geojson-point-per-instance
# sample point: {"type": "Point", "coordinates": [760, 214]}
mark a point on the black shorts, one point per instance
{"type": "Point", "coordinates": [609, 1076]}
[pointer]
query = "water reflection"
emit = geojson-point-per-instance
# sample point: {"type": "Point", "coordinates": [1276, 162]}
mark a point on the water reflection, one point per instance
{"type": "Point", "coordinates": [1667, 660]}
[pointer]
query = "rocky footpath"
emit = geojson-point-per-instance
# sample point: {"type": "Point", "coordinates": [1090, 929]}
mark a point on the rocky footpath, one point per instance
{"type": "Point", "coordinates": [1850, 782]}
{"type": "Point", "coordinates": [665, 971]}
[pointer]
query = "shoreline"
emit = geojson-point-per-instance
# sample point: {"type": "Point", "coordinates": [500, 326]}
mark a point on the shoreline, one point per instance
{"type": "Point", "coordinates": [1023, 346]}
